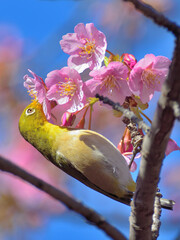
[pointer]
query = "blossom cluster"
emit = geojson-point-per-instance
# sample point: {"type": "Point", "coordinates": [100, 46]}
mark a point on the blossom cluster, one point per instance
{"type": "Point", "coordinates": [122, 78]}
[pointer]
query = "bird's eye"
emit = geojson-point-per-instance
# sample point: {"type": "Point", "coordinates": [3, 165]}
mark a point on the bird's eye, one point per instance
{"type": "Point", "coordinates": [30, 111]}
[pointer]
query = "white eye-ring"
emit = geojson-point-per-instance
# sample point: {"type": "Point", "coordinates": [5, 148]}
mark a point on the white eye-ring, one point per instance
{"type": "Point", "coordinates": [30, 111]}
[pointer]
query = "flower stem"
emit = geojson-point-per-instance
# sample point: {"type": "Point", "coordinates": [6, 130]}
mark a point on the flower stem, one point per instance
{"type": "Point", "coordinates": [145, 116]}
{"type": "Point", "coordinates": [85, 111]}
{"type": "Point", "coordinates": [109, 52]}
{"type": "Point", "coordinates": [90, 117]}
{"type": "Point", "coordinates": [132, 160]}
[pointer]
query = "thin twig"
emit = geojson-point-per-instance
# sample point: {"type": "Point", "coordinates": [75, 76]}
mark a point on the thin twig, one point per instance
{"type": "Point", "coordinates": [156, 16]}
{"type": "Point", "coordinates": [69, 202]}
{"type": "Point", "coordinates": [126, 113]}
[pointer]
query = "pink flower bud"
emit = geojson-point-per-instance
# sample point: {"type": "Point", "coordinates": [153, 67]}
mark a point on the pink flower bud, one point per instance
{"type": "Point", "coordinates": [67, 119]}
{"type": "Point", "coordinates": [125, 144]}
{"type": "Point", "coordinates": [129, 60]}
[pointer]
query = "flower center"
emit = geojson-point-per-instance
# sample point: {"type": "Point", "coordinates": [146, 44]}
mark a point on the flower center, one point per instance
{"type": "Point", "coordinates": [110, 82]}
{"type": "Point", "coordinates": [67, 88]}
{"type": "Point", "coordinates": [149, 78]}
{"type": "Point", "coordinates": [88, 49]}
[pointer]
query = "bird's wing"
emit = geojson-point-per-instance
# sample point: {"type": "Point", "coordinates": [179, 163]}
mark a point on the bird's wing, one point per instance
{"type": "Point", "coordinates": [97, 160]}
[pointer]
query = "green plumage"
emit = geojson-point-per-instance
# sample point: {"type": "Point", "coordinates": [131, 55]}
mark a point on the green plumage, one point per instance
{"type": "Point", "coordinates": [83, 154]}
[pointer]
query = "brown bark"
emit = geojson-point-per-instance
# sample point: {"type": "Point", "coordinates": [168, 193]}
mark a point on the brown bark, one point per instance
{"type": "Point", "coordinates": [155, 142]}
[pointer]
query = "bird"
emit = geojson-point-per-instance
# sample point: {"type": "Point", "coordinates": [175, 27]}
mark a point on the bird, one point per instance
{"type": "Point", "coordinates": [83, 154]}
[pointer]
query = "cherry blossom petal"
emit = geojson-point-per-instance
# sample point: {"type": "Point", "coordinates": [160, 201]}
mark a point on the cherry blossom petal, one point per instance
{"type": "Point", "coordinates": [67, 89]}
{"type": "Point", "coordinates": [70, 43]}
{"type": "Point", "coordinates": [148, 75]}
{"type": "Point", "coordinates": [133, 166]}
{"type": "Point", "coordinates": [87, 47]}
{"type": "Point", "coordinates": [37, 89]}
{"type": "Point", "coordinates": [110, 81]}
{"type": "Point", "coordinates": [172, 146]}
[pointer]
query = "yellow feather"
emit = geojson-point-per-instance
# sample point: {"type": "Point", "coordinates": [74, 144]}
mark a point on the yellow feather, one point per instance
{"type": "Point", "coordinates": [83, 154]}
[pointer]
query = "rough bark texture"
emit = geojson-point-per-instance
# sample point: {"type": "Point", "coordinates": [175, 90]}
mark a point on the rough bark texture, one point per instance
{"type": "Point", "coordinates": [156, 140]}
{"type": "Point", "coordinates": [153, 150]}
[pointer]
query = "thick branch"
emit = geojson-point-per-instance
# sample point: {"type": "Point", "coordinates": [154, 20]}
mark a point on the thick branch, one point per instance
{"type": "Point", "coordinates": [157, 17]}
{"type": "Point", "coordinates": [69, 202]}
{"type": "Point", "coordinates": [153, 149]}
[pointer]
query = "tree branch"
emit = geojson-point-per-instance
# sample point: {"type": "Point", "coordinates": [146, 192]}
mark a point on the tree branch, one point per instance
{"type": "Point", "coordinates": [157, 17]}
{"type": "Point", "coordinates": [129, 116]}
{"type": "Point", "coordinates": [126, 112]}
{"type": "Point", "coordinates": [69, 202]}
{"type": "Point", "coordinates": [153, 149]}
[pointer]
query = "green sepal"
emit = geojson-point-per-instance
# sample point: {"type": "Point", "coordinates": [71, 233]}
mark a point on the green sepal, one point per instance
{"type": "Point", "coordinates": [116, 58]}
{"type": "Point", "coordinates": [106, 61]}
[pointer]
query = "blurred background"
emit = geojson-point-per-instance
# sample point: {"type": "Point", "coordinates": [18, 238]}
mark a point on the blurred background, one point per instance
{"type": "Point", "coordinates": [30, 32]}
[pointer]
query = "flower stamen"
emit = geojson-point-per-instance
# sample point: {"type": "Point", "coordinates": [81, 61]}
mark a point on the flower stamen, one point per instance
{"type": "Point", "coordinates": [88, 49]}
{"type": "Point", "coordinates": [32, 93]}
{"type": "Point", "coordinates": [149, 78]}
{"type": "Point", "coordinates": [109, 83]}
{"type": "Point", "coordinates": [67, 88]}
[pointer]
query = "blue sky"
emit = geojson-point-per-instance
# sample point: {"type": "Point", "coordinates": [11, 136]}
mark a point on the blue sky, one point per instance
{"type": "Point", "coordinates": [41, 24]}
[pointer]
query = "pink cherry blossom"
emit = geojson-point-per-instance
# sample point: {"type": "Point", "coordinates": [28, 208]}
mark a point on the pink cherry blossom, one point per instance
{"type": "Point", "coordinates": [37, 89]}
{"type": "Point", "coordinates": [110, 81]}
{"type": "Point", "coordinates": [35, 86]}
{"type": "Point", "coordinates": [67, 89]}
{"type": "Point", "coordinates": [148, 76]}
{"type": "Point", "coordinates": [172, 146]}
{"type": "Point", "coordinates": [87, 47]}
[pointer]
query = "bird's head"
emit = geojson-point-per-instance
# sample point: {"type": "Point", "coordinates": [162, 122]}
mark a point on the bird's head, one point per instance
{"type": "Point", "coordinates": [32, 117]}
